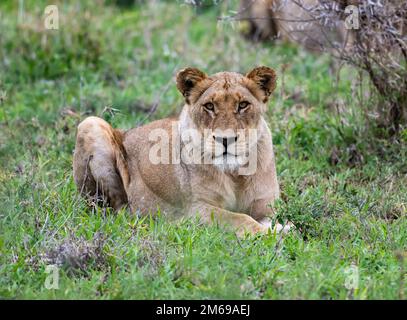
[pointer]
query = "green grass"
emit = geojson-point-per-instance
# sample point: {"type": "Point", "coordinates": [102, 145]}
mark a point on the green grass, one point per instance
{"type": "Point", "coordinates": [348, 213]}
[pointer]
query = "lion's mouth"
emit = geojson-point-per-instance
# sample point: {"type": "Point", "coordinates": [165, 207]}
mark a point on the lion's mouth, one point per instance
{"type": "Point", "coordinates": [225, 155]}
{"type": "Point", "coordinates": [226, 158]}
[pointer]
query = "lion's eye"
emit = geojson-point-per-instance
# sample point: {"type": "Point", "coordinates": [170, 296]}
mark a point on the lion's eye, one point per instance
{"type": "Point", "coordinates": [209, 106]}
{"type": "Point", "coordinates": [243, 105]}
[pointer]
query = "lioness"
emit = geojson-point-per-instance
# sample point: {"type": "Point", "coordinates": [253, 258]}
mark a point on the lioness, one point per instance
{"type": "Point", "coordinates": [132, 168]}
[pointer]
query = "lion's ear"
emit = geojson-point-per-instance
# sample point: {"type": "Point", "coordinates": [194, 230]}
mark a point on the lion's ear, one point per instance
{"type": "Point", "coordinates": [265, 79]}
{"type": "Point", "coordinates": [187, 79]}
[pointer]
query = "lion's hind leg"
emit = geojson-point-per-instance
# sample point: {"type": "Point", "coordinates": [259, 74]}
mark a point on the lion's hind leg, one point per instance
{"type": "Point", "coordinates": [97, 161]}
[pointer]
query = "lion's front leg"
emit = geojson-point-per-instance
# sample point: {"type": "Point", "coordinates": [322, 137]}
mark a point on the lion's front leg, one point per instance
{"type": "Point", "coordinates": [262, 213]}
{"type": "Point", "coordinates": [238, 222]}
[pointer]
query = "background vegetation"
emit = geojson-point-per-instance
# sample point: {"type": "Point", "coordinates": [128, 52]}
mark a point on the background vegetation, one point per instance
{"type": "Point", "coordinates": [343, 186]}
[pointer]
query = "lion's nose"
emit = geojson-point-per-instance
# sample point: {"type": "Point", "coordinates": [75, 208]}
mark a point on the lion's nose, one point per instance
{"type": "Point", "coordinates": [226, 141]}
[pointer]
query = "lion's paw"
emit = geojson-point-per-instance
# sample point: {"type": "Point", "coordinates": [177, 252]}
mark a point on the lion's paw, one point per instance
{"type": "Point", "coordinates": [279, 228]}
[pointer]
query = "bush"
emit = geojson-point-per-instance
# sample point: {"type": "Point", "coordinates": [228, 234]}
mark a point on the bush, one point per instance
{"type": "Point", "coordinates": [377, 46]}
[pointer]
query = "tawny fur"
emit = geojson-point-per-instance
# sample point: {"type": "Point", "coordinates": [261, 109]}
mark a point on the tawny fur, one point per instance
{"type": "Point", "coordinates": [116, 164]}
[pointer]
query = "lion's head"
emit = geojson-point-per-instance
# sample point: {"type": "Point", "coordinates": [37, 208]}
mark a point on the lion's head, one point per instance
{"type": "Point", "coordinates": [224, 112]}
